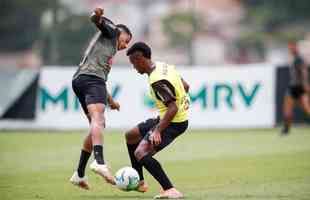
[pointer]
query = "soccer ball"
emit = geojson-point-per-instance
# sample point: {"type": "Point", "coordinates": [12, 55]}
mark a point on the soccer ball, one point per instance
{"type": "Point", "coordinates": [127, 178]}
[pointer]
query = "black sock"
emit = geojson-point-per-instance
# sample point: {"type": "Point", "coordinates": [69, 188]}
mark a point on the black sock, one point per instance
{"type": "Point", "coordinates": [134, 163]}
{"type": "Point", "coordinates": [155, 169]}
{"type": "Point", "coordinates": [83, 162]}
{"type": "Point", "coordinates": [286, 128]}
{"type": "Point", "coordinates": [98, 154]}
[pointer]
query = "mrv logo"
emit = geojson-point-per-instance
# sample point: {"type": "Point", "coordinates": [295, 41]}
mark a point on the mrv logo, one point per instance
{"type": "Point", "coordinates": [65, 98]}
{"type": "Point", "coordinates": [221, 95]}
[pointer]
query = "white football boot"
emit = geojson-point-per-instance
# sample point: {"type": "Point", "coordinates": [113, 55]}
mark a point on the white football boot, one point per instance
{"type": "Point", "coordinates": [103, 171]}
{"type": "Point", "coordinates": [169, 194]}
{"type": "Point", "coordinates": [78, 181]}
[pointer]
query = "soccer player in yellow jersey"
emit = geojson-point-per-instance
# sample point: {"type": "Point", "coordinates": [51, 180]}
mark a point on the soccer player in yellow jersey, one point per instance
{"type": "Point", "coordinates": [169, 91]}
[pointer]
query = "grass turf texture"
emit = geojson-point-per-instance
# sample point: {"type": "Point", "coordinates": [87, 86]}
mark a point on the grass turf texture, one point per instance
{"type": "Point", "coordinates": [224, 165]}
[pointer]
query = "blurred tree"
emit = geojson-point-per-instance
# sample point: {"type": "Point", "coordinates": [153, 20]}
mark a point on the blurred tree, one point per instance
{"type": "Point", "coordinates": [72, 35]}
{"type": "Point", "coordinates": [274, 14]}
{"type": "Point", "coordinates": [272, 22]}
{"type": "Point", "coordinates": [249, 48]}
{"type": "Point", "coordinates": [180, 28]}
{"type": "Point", "coordinates": [20, 23]}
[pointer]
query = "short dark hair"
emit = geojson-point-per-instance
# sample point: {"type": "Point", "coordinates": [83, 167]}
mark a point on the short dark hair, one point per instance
{"type": "Point", "coordinates": [142, 47]}
{"type": "Point", "coordinates": [124, 28]}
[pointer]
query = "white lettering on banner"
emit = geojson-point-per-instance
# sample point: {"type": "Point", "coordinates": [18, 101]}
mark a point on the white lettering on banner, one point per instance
{"type": "Point", "coordinates": [221, 97]}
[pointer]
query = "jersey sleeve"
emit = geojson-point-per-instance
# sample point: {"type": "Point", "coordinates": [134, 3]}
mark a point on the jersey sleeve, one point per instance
{"type": "Point", "coordinates": [164, 91]}
{"type": "Point", "coordinates": [106, 26]}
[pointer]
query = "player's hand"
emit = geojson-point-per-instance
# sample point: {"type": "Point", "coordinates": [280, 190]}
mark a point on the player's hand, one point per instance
{"type": "Point", "coordinates": [114, 105]}
{"type": "Point", "coordinates": [98, 12]}
{"type": "Point", "coordinates": [155, 137]}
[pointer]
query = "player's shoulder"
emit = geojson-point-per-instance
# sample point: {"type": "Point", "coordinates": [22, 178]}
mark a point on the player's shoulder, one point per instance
{"type": "Point", "coordinates": [108, 21]}
{"type": "Point", "coordinates": [162, 65]}
{"type": "Point", "coordinates": [159, 64]}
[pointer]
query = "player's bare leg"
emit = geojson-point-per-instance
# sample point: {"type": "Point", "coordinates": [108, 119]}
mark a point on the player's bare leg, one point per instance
{"type": "Point", "coordinates": [97, 124]}
{"type": "Point", "coordinates": [133, 137]}
{"type": "Point", "coordinates": [287, 114]}
{"type": "Point", "coordinates": [96, 112]}
{"type": "Point", "coordinates": [144, 154]}
{"type": "Point", "coordinates": [87, 144]}
{"type": "Point", "coordinates": [304, 103]}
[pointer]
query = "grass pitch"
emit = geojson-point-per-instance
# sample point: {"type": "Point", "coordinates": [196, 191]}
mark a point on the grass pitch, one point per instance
{"type": "Point", "coordinates": [223, 165]}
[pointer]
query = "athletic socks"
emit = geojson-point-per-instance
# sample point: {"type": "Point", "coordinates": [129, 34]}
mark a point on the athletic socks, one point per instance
{"type": "Point", "coordinates": [98, 154]}
{"type": "Point", "coordinates": [82, 163]}
{"type": "Point", "coordinates": [155, 169]}
{"type": "Point", "coordinates": [285, 129]}
{"type": "Point", "coordinates": [134, 163]}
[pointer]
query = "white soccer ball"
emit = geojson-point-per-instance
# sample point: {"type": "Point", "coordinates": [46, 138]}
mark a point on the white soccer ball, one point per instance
{"type": "Point", "coordinates": [127, 178]}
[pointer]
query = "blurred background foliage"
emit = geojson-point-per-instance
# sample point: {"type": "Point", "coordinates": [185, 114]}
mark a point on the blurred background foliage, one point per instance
{"type": "Point", "coordinates": [63, 35]}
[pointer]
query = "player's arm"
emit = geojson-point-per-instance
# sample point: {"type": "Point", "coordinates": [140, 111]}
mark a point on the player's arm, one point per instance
{"type": "Point", "coordinates": [169, 115]}
{"type": "Point", "coordinates": [185, 85]}
{"type": "Point", "coordinates": [114, 105]}
{"type": "Point", "coordinates": [105, 25]}
{"type": "Point", "coordinates": [164, 91]}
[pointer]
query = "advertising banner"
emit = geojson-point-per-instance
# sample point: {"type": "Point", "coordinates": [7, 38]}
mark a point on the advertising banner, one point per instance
{"type": "Point", "coordinates": [221, 97]}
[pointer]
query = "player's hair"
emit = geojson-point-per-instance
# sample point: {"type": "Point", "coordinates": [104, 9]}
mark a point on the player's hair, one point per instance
{"type": "Point", "coordinates": [124, 28]}
{"type": "Point", "coordinates": [142, 47]}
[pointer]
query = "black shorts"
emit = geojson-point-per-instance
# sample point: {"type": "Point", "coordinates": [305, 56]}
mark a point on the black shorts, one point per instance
{"type": "Point", "coordinates": [296, 91]}
{"type": "Point", "coordinates": [89, 90]}
{"type": "Point", "coordinates": [168, 135]}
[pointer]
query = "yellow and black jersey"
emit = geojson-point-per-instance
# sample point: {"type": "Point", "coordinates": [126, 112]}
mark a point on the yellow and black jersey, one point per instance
{"type": "Point", "coordinates": [166, 86]}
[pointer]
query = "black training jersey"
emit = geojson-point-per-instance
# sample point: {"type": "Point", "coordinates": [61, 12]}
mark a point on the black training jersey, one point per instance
{"type": "Point", "coordinates": [296, 68]}
{"type": "Point", "coordinates": [97, 59]}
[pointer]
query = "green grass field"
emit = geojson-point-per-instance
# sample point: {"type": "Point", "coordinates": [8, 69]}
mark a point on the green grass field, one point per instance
{"type": "Point", "coordinates": [224, 165]}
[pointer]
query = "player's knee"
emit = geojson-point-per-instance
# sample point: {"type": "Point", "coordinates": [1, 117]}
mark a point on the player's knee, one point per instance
{"type": "Point", "coordinates": [98, 121]}
{"type": "Point", "coordinates": [131, 137]}
{"type": "Point", "coordinates": [127, 136]}
{"type": "Point", "coordinates": [95, 124]}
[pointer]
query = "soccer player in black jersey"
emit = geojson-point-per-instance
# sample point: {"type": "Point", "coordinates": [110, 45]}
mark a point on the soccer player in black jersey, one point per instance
{"type": "Point", "coordinates": [89, 85]}
{"type": "Point", "coordinates": [298, 90]}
